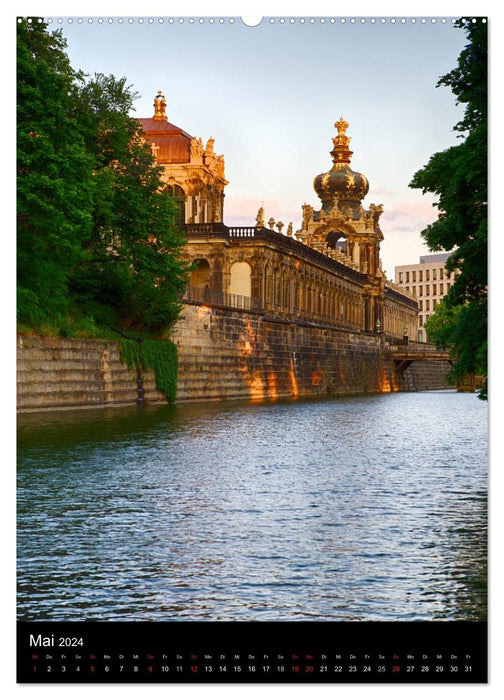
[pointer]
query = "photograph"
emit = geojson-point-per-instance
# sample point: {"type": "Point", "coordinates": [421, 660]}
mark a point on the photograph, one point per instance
{"type": "Point", "coordinates": [252, 384]}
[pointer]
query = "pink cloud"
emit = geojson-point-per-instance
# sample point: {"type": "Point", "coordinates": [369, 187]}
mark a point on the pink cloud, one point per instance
{"type": "Point", "coordinates": [242, 211]}
{"type": "Point", "coordinates": [247, 206]}
{"type": "Point", "coordinates": [421, 210]}
{"type": "Point", "coordinates": [379, 190]}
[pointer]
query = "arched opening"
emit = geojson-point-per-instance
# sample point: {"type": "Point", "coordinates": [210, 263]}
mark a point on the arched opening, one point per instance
{"type": "Point", "coordinates": [177, 195]}
{"type": "Point", "coordinates": [241, 279]}
{"type": "Point", "coordinates": [200, 275]}
{"type": "Point", "coordinates": [337, 241]}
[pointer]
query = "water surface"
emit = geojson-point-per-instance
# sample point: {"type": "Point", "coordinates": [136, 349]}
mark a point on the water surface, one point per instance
{"type": "Point", "coordinates": [353, 508]}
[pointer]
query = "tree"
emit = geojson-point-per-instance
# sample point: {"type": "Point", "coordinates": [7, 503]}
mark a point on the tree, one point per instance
{"type": "Point", "coordinates": [458, 177]}
{"type": "Point", "coordinates": [132, 275]}
{"type": "Point", "coordinates": [96, 235]}
{"type": "Point", "coordinates": [54, 185]}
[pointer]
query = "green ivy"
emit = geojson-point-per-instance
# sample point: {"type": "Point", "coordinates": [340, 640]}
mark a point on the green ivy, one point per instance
{"type": "Point", "coordinates": [157, 355]}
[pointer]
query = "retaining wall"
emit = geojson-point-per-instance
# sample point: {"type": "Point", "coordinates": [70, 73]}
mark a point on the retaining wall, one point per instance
{"type": "Point", "coordinates": [223, 354]}
{"type": "Point", "coordinates": [70, 372]}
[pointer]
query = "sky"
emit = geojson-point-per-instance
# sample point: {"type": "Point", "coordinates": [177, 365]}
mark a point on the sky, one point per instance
{"type": "Point", "coordinates": [269, 95]}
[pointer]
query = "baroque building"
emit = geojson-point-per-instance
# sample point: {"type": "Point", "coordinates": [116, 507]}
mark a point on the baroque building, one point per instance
{"type": "Point", "coordinates": [328, 272]}
{"type": "Point", "coordinates": [193, 174]}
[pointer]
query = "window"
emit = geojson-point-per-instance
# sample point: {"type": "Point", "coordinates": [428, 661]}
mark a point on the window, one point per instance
{"type": "Point", "coordinates": [420, 305]}
{"type": "Point", "coordinates": [407, 277]}
{"type": "Point", "coordinates": [426, 275]}
{"type": "Point", "coordinates": [200, 275]}
{"type": "Point", "coordinates": [440, 289]}
{"type": "Point", "coordinates": [413, 276]}
{"type": "Point", "coordinates": [240, 282]}
{"type": "Point", "coordinates": [434, 274]}
{"type": "Point", "coordinates": [441, 274]}
{"type": "Point", "coordinates": [420, 275]}
{"type": "Point", "coordinates": [420, 290]}
{"type": "Point", "coordinates": [401, 280]}
{"type": "Point", "coordinates": [413, 289]}
{"type": "Point", "coordinates": [447, 286]}
{"type": "Point", "coordinates": [434, 289]}
{"type": "Point", "coordinates": [427, 305]}
{"type": "Point", "coordinates": [177, 194]}
{"type": "Point", "coordinates": [426, 290]}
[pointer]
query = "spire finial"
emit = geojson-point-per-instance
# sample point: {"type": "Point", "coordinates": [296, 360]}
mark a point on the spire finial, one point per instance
{"type": "Point", "coordinates": [341, 153]}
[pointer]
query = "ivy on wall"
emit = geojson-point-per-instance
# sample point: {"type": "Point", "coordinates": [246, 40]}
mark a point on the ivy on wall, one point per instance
{"type": "Point", "coordinates": [157, 355]}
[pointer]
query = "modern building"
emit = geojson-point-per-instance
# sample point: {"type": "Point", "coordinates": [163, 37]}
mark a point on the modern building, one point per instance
{"type": "Point", "coordinates": [428, 281]}
{"type": "Point", "coordinates": [329, 272]}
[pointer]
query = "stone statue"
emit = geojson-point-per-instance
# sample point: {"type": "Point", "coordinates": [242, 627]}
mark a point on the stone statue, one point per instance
{"type": "Point", "coordinates": [307, 215]}
{"type": "Point", "coordinates": [260, 222]}
{"type": "Point", "coordinates": [289, 230]}
{"type": "Point", "coordinates": [271, 223]}
{"type": "Point", "coordinates": [220, 167]}
{"type": "Point", "coordinates": [196, 148]}
{"type": "Point", "coordinates": [209, 149]}
{"type": "Point", "coordinates": [280, 226]}
{"type": "Point", "coordinates": [154, 150]}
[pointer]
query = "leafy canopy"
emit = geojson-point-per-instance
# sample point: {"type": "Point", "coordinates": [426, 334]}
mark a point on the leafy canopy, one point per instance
{"type": "Point", "coordinates": [97, 242]}
{"type": "Point", "coordinates": [458, 178]}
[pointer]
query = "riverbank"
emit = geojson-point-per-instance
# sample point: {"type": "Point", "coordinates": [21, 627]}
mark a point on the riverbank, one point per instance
{"type": "Point", "coordinates": [222, 354]}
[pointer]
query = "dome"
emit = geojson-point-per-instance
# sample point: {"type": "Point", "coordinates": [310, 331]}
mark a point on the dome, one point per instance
{"type": "Point", "coordinates": [171, 143]}
{"type": "Point", "coordinates": [341, 185]}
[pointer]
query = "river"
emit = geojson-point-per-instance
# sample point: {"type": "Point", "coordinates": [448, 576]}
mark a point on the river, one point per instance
{"type": "Point", "coordinates": [349, 508]}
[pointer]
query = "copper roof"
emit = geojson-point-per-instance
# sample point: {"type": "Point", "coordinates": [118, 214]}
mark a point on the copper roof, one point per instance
{"type": "Point", "coordinates": [173, 143]}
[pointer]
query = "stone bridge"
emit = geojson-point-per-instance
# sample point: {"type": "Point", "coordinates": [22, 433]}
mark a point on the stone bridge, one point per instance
{"type": "Point", "coordinates": [403, 356]}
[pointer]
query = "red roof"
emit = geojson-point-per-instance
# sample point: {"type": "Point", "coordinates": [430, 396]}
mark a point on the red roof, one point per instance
{"type": "Point", "coordinates": [173, 142]}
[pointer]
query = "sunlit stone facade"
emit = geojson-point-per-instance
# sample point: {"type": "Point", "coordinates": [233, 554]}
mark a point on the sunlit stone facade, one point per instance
{"type": "Point", "coordinates": [193, 174]}
{"type": "Point", "coordinates": [328, 272]}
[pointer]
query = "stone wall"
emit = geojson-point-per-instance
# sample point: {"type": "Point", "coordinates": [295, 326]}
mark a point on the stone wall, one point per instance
{"type": "Point", "coordinates": [423, 376]}
{"type": "Point", "coordinates": [223, 354]}
{"type": "Point", "coordinates": [69, 372]}
{"type": "Point", "coordinates": [227, 354]}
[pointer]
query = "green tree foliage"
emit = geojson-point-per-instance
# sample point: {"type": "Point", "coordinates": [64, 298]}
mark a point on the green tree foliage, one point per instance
{"type": "Point", "coordinates": [458, 177]}
{"type": "Point", "coordinates": [54, 187]}
{"type": "Point", "coordinates": [132, 275]}
{"type": "Point", "coordinates": [96, 238]}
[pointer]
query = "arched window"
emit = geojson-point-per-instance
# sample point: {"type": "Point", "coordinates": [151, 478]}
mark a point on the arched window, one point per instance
{"type": "Point", "coordinates": [241, 282]}
{"type": "Point", "coordinates": [337, 241]}
{"type": "Point", "coordinates": [200, 276]}
{"type": "Point", "coordinates": [177, 195]}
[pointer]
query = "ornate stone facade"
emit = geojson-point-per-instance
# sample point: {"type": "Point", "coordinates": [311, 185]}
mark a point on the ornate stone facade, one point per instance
{"type": "Point", "coordinates": [193, 173]}
{"type": "Point", "coordinates": [328, 272]}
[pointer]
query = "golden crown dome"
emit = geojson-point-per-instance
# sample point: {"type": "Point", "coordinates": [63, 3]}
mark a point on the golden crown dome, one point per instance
{"type": "Point", "coordinates": [341, 184]}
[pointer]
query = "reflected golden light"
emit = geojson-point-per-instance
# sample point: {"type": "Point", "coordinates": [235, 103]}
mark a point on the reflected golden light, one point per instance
{"type": "Point", "coordinates": [317, 376]}
{"type": "Point", "coordinates": [272, 385]}
{"type": "Point", "coordinates": [256, 386]}
{"type": "Point", "coordinates": [293, 380]}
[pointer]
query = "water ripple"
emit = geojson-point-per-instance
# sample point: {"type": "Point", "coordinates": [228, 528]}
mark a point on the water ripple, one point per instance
{"type": "Point", "coordinates": [338, 509]}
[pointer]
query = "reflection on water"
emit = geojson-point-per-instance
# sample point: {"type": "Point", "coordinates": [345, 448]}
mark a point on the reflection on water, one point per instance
{"type": "Point", "coordinates": [355, 508]}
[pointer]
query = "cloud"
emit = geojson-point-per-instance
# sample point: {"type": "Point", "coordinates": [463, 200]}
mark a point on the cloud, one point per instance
{"type": "Point", "coordinates": [242, 211]}
{"type": "Point", "coordinates": [236, 205]}
{"type": "Point", "coordinates": [379, 190]}
{"type": "Point", "coordinates": [417, 210]}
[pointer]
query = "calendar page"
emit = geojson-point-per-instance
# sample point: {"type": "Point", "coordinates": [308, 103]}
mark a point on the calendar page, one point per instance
{"type": "Point", "coordinates": [252, 416]}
